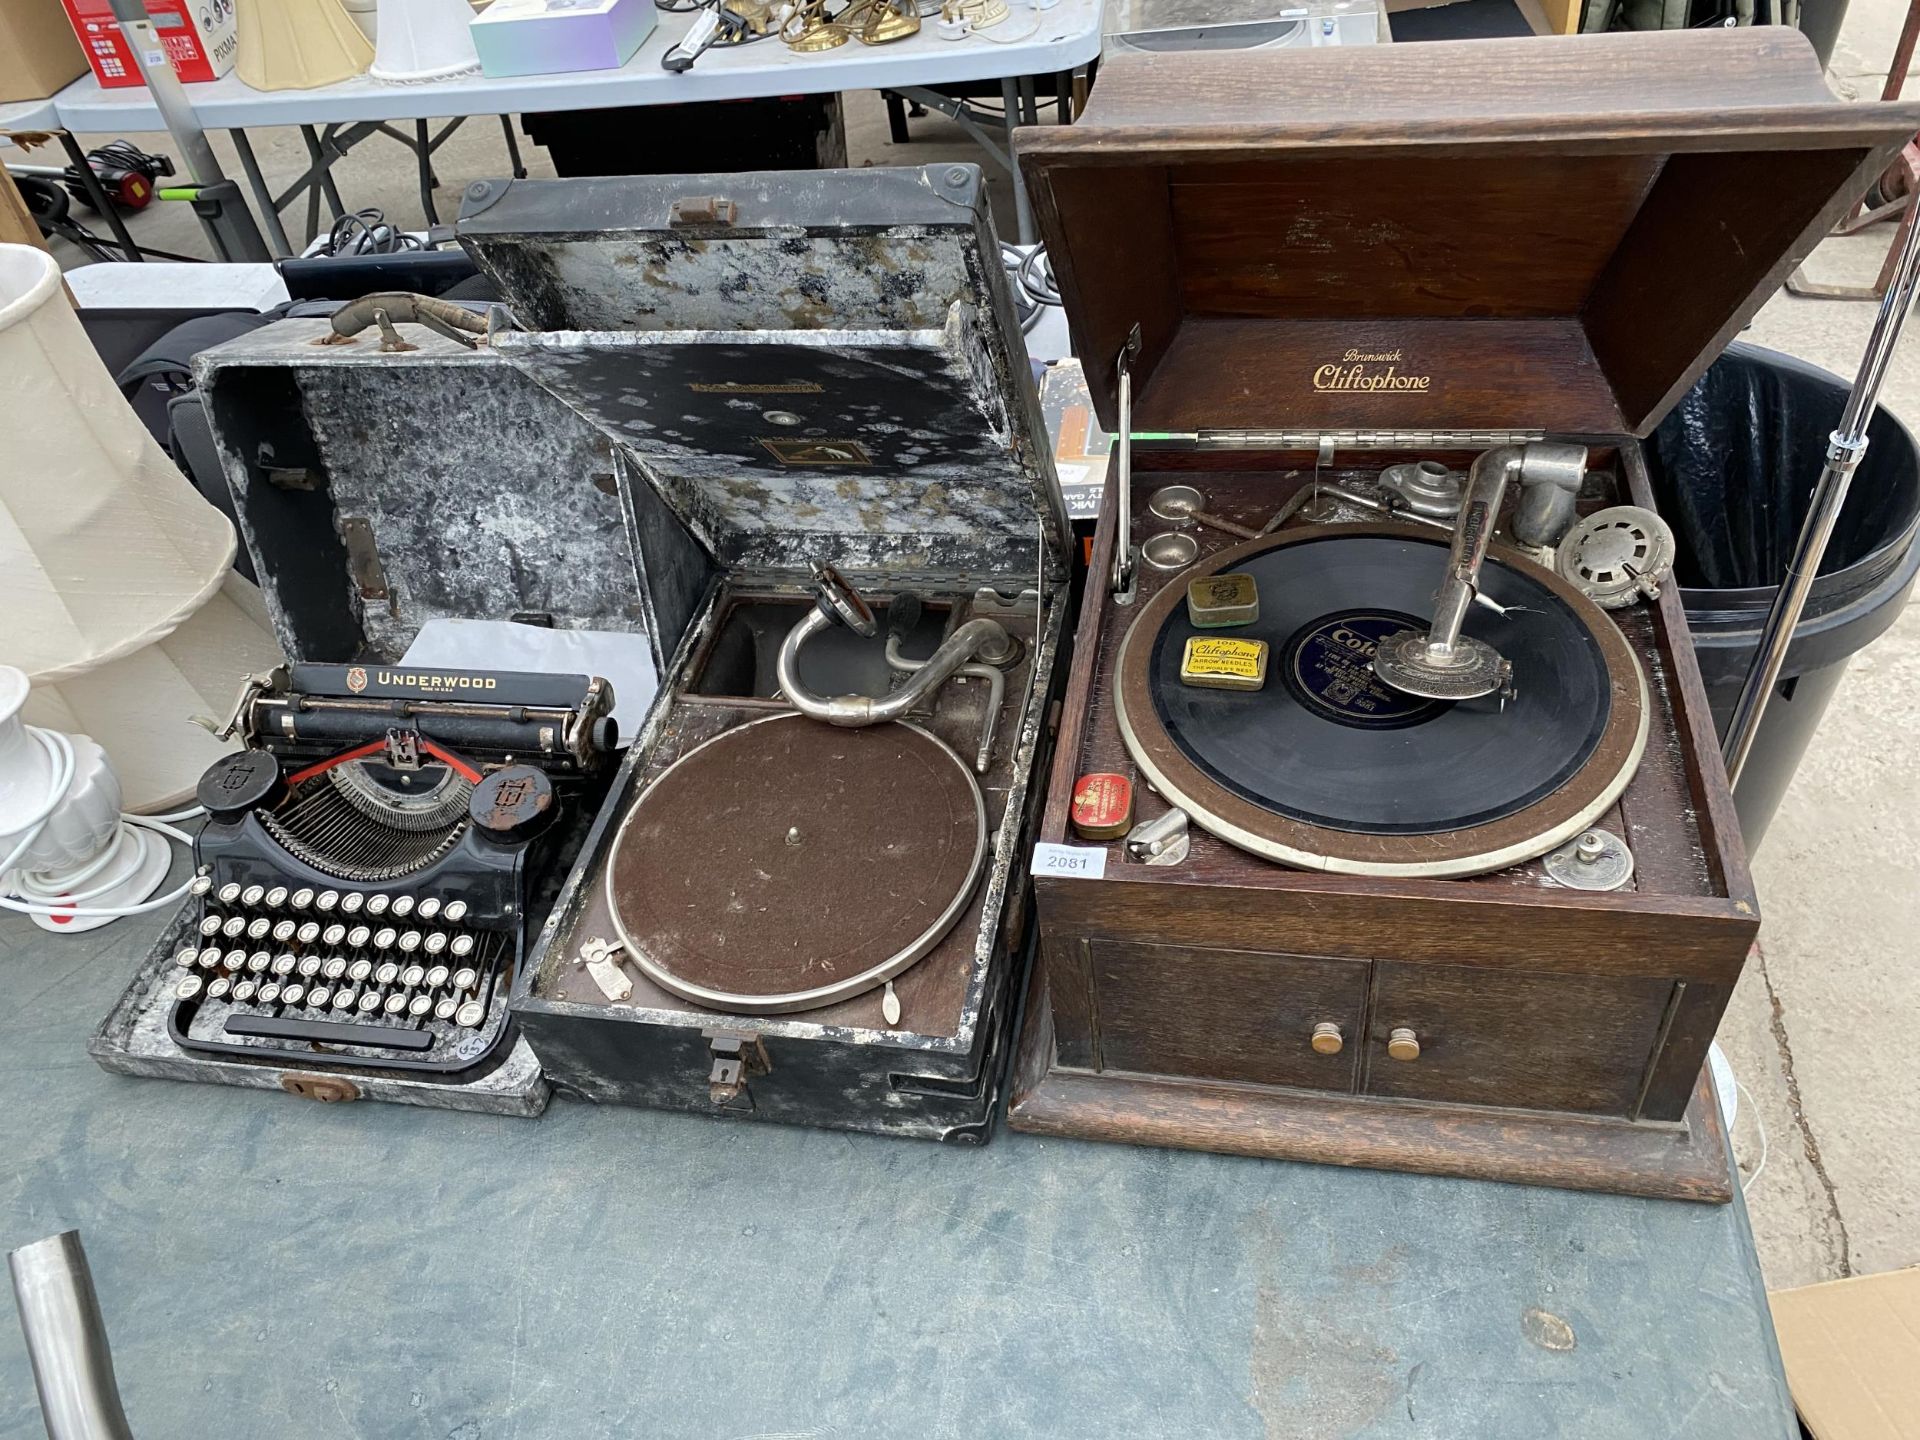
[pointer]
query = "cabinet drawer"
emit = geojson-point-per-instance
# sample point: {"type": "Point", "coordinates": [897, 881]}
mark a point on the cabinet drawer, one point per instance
{"type": "Point", "coordinates": [1503, 1037]}
{"type": "Point", "coordinates": [1226, 1014]}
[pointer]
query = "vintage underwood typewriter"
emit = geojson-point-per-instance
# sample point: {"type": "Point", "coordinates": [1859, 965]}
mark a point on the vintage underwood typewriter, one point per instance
{"type": "Point", "coordinates": [363, 876]}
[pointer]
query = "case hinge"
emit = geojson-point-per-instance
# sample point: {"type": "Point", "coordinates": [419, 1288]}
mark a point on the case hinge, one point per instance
{"type": "Point", "coordinates": [1321, 440]}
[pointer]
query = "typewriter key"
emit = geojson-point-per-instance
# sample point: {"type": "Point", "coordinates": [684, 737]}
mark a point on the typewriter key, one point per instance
{"type": "Point", "coordinates": [234, 925]}
{"type": "Point", "coordinates": [437, 976]}
{"type": "Point", "coordinates": [396, 1003]}
{"type": "Point", "coordinates": [234, 959]}
{"type": "Point", "coordinates": [351, 902]}
{"type": "Point", "coordinates": [343, 999]}
{"type": "Point", "coordinates": [435, 943]}
{"type": "Point", "coordinates": [470, 1014]}
{"type": "Point", "coordinates": [410, 941]}
{"type": "Point", "coordinates": [258, 962]}
{"type": "Point", "coordinates": [358, 936]}
{"type": "Point", "coordinates": [465, 978]}
{"type": "Point", "coordinates": [419, 1005]}
{"type": "Point", "coordinates": [293, 994]}
{"type": "Point", "coordinates": [335, 967]}
{"type": "Point", "coordinates": [229, 892]}
{"type": "Point", "coordinates": [308, 933]}
{"type": "Point", "coordinates": [384, 937]}
{"type": "Point", "coordinates": [333, 934]}
{"type": "Point", "coordinates": [428, 908]}
{"type": "Point", "coordinates": [310, 966]}
{"type": "Point", "coordinates": [243, 990]}
{"type": "Point", "coordinates": [444, 1007]}
{"type": "Point", "coordinates": [412, 976]}
{"type": "Point", "coordinates": [369, 1002]}
{"type": "Point", "coordinates": [188, 988]}
{"type": "Point", "coordinates": [253, 895]}
{"type": "Point", "coordinates": [269, 992]}
{"type": "Point", "coordinates": [218, 986]}
{"type": "Point", "coordinates": [455, 912]}
{"type": "Point", "coordinates": [326, 900]}
{"type": "Point", "coordinates": [210, 925]}
{"type": "Point", "coordinates": [386, 974]}
{"type": "Point", "coordinates": [277, 896]}
{"type": "Point", "coordinates": [284, 931]}
{"type": "Point", "coordinates": [210, 957]}
{"type": "Point", "coordinates": [186, 958]}
{"type": "Point", "coordinates": [200, 885]}
{"type": "Point", "coordinates": [402, 906]}
{"type": "Point", "coordinates": [462, 946]}
{"type": "Point", "coordinates": [359, 970]}
{"type": "Point", "coordinates": [319, 997]}
{"type": "Point", "coordinates": [259, 928]}
{"type": "Point", "coordinates": [301, 898]}
{"type": "Point", "coordinates": [283, 964]}
{"type": "Point", "coordinates": [377, 904]}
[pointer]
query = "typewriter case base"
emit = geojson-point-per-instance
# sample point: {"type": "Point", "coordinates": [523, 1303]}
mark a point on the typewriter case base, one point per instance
{"type": "Point", "coordinates": [1381, 255]}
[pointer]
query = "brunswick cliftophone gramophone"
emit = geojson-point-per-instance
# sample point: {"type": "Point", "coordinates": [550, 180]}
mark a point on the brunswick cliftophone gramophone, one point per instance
{"type": "Point", "coordinates": [1387, 825]}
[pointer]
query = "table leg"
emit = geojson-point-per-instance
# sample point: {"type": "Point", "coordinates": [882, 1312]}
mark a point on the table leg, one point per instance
{"type": "Point", "coordinates": [896, 118]}
{"type": "Point", "coordinates": [513, 147]}
{"type": "Point", "coordinates": [1022, 209]}
{"type": "Point", "coordinates": [323, 157]}
{"type": "Point", "coordinates": [262, 196]}
{"type": "Point", "coordinates": [424, 144]}
{"type": "Point", "coordinates": [97, 197]}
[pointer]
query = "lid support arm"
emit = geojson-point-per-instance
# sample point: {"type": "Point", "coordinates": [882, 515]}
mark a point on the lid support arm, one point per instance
{"type": "Point", "coordinates": [1123, 553]}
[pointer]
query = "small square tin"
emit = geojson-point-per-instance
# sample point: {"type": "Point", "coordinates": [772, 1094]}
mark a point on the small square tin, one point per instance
{"type": "Point", "coordinates": [1216, 601]}
{"type": "Point", "coordinates": [1224, 664]}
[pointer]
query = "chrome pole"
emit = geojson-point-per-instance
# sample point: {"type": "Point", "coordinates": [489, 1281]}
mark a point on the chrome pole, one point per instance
{"type": "Point", "coordinates": [67, 1340]}
{"type": "Point", "coordinates": [1845, 446]}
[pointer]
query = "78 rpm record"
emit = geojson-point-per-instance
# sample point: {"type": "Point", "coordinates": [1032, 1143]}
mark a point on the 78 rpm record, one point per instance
{"type": "Point", "coordinates": [787, 864]}
{"type": "Point", "coordinates": [1328, 768]}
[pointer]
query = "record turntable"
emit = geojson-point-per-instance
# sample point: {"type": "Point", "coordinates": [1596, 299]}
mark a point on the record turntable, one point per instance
{"type": "Point", "coordinates": [1387, 824]}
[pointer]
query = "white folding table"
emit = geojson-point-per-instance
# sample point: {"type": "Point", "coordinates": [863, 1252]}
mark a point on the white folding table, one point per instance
{"type": "Point", "coordinates": [333, 118]}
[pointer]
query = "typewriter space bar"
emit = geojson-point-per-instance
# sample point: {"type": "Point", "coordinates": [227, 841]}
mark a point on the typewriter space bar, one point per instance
{"type": "Point", "coordinates": [329, 1032]}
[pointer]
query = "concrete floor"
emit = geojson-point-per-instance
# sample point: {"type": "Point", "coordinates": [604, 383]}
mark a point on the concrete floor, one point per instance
{"type": "Point", "coordinates": [1818, 1030]}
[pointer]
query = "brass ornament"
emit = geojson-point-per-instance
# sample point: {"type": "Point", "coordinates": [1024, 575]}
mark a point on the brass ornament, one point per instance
{"type": "Point", "coordinates": [807, 28]}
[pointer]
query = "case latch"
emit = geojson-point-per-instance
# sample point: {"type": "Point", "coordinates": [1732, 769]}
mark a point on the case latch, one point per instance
{"type": "Point", "coordinates": [737, 1058]}
{"type": "Point", "coordinates": [703, 210]}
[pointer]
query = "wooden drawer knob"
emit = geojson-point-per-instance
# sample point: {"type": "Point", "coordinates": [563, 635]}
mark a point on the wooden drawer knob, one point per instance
{"type": "Point", "coordinates": [1403, 1044]}
{"type": "Point", "coordinates": [1327, 1038]}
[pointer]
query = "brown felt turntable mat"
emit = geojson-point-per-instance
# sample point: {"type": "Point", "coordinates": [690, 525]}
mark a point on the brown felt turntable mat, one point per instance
{"type": "Point", "coordinates": [787, 864]}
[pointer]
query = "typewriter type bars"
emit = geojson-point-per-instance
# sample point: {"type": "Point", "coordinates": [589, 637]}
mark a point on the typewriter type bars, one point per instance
{"type": "Point", "coordinates": [364, 903]}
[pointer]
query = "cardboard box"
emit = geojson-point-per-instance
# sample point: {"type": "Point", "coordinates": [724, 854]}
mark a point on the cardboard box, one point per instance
{"type": "Point", "coordinates": [38, 54]}
{"type": "Point", "coordinates": [200, 41]}
{"type": "Point", "coordinates": [1852, 1352]}
{"type": "Point", "coordinates": [546, 37]}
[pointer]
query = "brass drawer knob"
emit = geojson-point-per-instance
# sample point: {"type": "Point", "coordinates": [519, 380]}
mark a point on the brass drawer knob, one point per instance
{"type": "Point", "coordinates": [1327, 1038]}
{"type": "Point", "coordinates": [1403, 1044]}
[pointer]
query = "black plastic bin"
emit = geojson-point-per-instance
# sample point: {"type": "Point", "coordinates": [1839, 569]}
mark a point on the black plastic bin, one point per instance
{"type": "Point", "coordinates": [1733, 467]}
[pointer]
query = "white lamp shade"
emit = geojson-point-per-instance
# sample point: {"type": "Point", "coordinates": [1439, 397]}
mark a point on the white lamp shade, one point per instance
{"type": "Point", "coordinates": [298, 44]}
{"type": "Point", "coordinates": [104, 546]}
{"type": "Point", "coordinates": [424, 40]}
{"type": "Point", "coordinates": [141, 709]}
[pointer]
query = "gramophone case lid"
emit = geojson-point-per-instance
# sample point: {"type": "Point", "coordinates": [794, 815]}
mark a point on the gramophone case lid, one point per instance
{"type": "Point", "coordinates": [806, 366]}
{"type": "Point", "coordinates": [1549, 234]}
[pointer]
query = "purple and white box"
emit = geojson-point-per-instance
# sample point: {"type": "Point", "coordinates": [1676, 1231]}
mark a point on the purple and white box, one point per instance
{"type": "Point", "coordinates": [545, 37]}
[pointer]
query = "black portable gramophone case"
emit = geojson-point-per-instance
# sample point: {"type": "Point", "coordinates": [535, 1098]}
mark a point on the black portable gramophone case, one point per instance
{"type": "Point", "coordinates": [794, 369]}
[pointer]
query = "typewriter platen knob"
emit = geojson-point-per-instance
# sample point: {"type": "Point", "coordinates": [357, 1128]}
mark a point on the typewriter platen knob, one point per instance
{"type": "Point", "coordinates": [512, 805]}
{"type": "Point", "coordinates": [234, 784]}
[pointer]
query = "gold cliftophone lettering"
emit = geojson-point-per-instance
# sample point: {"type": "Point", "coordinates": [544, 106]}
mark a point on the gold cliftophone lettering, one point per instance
{"type": "Point", "coordinates": [1360, 371]}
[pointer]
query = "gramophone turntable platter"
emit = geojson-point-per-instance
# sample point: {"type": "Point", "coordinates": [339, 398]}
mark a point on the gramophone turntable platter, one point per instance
{"type": "Point", "coordinates": [787, 864]}
{"type": "Point", "coordinates": [1327, 768]}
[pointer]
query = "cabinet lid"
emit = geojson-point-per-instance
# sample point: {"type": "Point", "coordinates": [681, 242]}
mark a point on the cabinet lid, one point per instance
{"type": "Point", "coordinates": [1540, 234]}
{"type": "Point", "coordinates": [813, 366]}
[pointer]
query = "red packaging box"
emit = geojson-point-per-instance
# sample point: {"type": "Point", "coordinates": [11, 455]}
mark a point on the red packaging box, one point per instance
{"type": "Point", "coordinates": [198, 36]}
